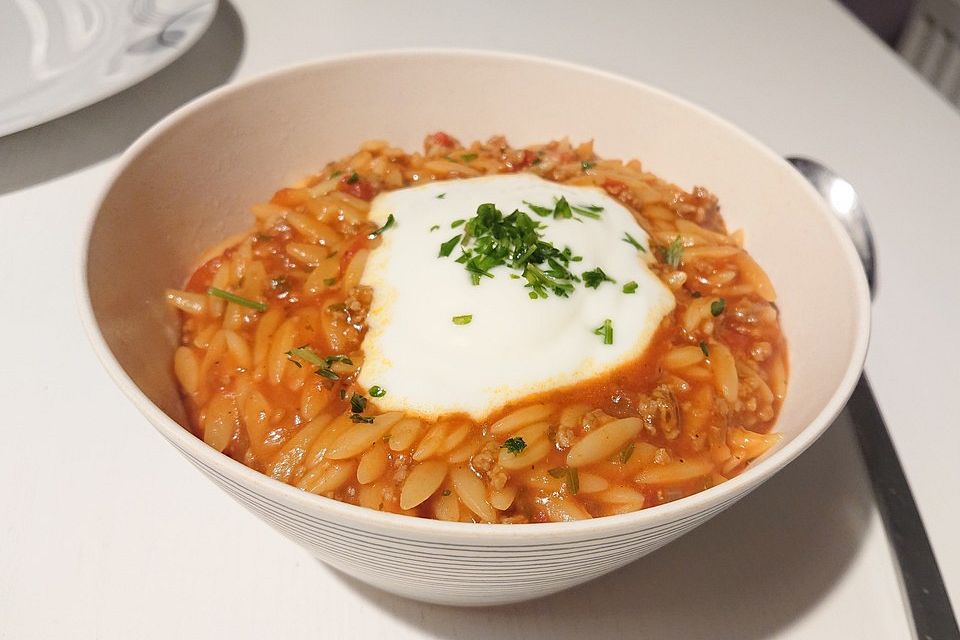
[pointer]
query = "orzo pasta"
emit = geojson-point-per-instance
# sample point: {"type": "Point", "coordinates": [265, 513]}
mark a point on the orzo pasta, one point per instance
{"type": "Point", "coordinates": [274, 328]}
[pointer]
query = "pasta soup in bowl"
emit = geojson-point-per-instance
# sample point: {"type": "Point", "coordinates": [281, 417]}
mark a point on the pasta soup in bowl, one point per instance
{"type": "Point", "coordinates": [465, 354]}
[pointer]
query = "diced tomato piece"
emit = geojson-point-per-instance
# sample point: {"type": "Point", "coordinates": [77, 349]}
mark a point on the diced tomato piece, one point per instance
{"type": "Point", "coordinates": [201, 278]}
{"type": "Point", "coordinates": [359, 188]}
{"type": "Point", "coordinates": [444, 139]}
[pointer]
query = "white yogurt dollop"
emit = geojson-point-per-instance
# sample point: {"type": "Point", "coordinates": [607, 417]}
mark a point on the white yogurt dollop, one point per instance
{"type": "Point", "coordinates": [513, 346]}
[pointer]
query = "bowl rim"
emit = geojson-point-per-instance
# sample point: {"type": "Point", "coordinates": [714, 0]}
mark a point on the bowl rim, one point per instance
{"type": "Point", "coordinates": [427, 528]}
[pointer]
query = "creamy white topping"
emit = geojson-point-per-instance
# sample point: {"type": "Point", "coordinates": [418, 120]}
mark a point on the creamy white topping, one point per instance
{"type": "Point", "coordinates": [513, 346]}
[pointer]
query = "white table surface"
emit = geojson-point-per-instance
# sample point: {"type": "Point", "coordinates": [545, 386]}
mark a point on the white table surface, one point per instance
{"type": "Point", "coordinates": [106, 532]}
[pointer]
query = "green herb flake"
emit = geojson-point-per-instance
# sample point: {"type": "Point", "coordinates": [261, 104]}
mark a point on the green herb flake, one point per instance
{"type": "Point", "coordinates": [606, 331]}
{"type": "Point", "coordinates": [357, 403]}
{"type": "Point", "coordinates": [263, 237]}
{"type": "Point", "coordinates": [336, 173]}
{"type": "Point", "coordinates": [306, 354]}
{"type": "Point", "coordinates": [356, 417]}
{"type": "Point", "coordinates": [593, 279]}
{"type": "Point", "coordinates": [354, 178]}
{"type": "Point", "coordinates": [703, 347]}
{"type": "Point", "coordinates": [327, 373]}
{"type": "Point", "coordinates": [447, 247]}
{"type": "Point", "coordinates": [561, 210]}
{"type": "Point", "coordinates": [629, 239]}
{"type": "Point", "coordinates": [377, 391]}
{"type": "Point", "coordinates": [586, 165]}
{"type": "Point", "coordinates": [630, 287]}
{"type": "Point", "coordinates": [386, 225]}
{"type": "Point", "coordinates": [672, 253]}
{"type": "Point", "coordinates": [468, 157]}
{"type": "Point", "coordinates": [570, 477]}
{"type": "Point", "coordinates": [461, 320]}
{"type": "Point", "coordinates": [329, 281]}
{"type": "Point", "coordinates": [537, 209]}
{"type": "Point", "coordinates": [323, 364]}
{"type": "Point", "coordinates": [591, 211]}
{"type": "Point", "coordinates": [626, 452]}
{"type": "Point", "coordinates": [514, 445]}
{"type": "Point", "coordinates": [573, 480]}
{"type": "Point", "coordinates": [232, 297]}
{"type": "Point", "coordinates": [434, 228]}
{"type": "Point", "coordinates": [457, 223]}
{"type": "Point", "coordinates": [441, 196]}
{"type": "Point", "coordinates": [717, 307]}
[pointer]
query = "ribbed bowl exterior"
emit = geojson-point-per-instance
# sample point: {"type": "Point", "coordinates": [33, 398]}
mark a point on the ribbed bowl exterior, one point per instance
{"type": "Point", "coordinates": [436, 570]}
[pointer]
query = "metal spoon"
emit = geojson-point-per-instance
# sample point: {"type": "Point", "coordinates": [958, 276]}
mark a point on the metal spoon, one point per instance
{"type": "Point", "coordinates": [930, 607]}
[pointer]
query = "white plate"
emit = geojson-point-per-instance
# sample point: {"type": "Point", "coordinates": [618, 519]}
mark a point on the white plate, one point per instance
{"type": "Point", "coordinates": [62, 55]}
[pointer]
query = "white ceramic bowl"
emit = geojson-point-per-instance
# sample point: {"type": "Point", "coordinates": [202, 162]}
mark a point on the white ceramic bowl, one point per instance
{"type": "Point", "coordinates": [189, 181]}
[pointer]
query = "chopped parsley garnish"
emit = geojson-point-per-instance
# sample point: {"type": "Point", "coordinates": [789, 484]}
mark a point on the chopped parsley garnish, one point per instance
{"type": "Point", "coordinates": [537, 209]}
{"type": "Point", "coordinates": [336, 173]}
{"type": "Point", "coordinates": [469, 157]}
{"type": "Point", "coordinates": [491, 239]}
{"type": "Point", "coordinates": [629, 239]}
{"type": "Point", "coordinates": [434, 228]}
{"type": "Point", "coordinates": [386, 225]}
{"type": "Point", "coordinates": [606, 331]}
{"type": "Point", "coordinates": [457, 223]}
{"type": "Point", "coordinates": [232, 297]}
{"type": "Point", "coordinates": [589, 210]}
{"type": "Point", "coordinates": [514, 445]}
{"type": "Point", "coordinates": [672, 253]}
{"type": "Point", "coordinates": [717, 307]}
{"type": "Point", "coordinates": [570, 475]}
{"type": "Point", "coordinates": [586, 165]}
{"type": "Point", "coordinates": [329, 281]}
{"type": "Point", "coordinates": [703, 347]}
{"type": "Point", "coordinates": [354, 178]}
{"type": "Point", "coordinates": [594, 278]}
{"type": "Point", "coordinates": [356, 417]}
{"type": "Point", "coordinates": [467, 319]}
{"type": "Point", "coordinates": [441, 196]}
{"type": "Point", "coordinates": [561, 210]}
{"type": "Point", "coordinates": [357, 403]}
{"type": "Point", "coordinates": [306, 354]}
{"type": "Point", "coordinates": [377, 391]}
{"type": "Point", "coordinates": [323, 365]}
{"type": "Point", "coordinates": [447, 247]}
{"type": "Point", "coordinates": [630, 287]}
{"type": "Point", "coordinates": [626, 452]}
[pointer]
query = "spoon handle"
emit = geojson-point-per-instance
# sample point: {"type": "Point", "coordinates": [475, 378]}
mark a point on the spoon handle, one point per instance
{"type": "Point", "coordinates": [930, 607]}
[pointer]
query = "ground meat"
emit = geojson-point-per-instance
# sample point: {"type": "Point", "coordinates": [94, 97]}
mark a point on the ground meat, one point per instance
{"type": "Point", "coordinates": [659, 412]}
